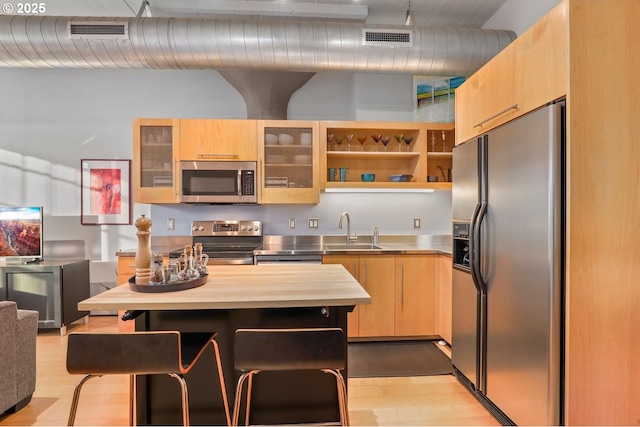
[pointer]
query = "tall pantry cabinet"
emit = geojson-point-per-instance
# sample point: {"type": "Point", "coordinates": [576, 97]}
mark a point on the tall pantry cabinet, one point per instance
{"type": "Point", "coordinates": [585, 51]}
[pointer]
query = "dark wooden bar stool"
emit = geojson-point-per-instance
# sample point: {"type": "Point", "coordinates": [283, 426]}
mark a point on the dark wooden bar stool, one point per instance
{"type": "Point", "coordinates": [259, 350]}
{"type": "Point", "coordinates": [139, 353]}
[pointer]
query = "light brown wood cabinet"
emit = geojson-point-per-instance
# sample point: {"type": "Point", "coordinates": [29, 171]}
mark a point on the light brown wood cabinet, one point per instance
{"type": "Point", "coordinates": [351, 263]}
{"type": "Point", "coordinates": [288, 162]}
{"type": "Point", "coordinates": [404, 294]}
{"type": "Point", "coordinates": [527, 74]}
{"type": "Point", "coordinates": [155, 161]}
{"type": "Point", "coordinates": [126, 270]}
{"type": "Point", "coordinates": [415, 308]}
{"type": "Point", "coordinates": [376, 275]}
{"type": "Point", "coordinates": [293, 156]}
{"type": "Point", "coordinates": [585, 51]}
{"type": "Point", "coordinates": [396, 158]}
{"type": "Point", "coordinates": [160, 144]}
{"type": "Point", "coordinates": [444, 296]}
{"type": "Point", "coordinates": [218, 139]}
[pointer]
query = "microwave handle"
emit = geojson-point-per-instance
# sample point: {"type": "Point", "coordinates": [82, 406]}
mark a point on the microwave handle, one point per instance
{"type": "Point", "coordinates": [217, 156]}
{"type": "Point", "coordinates": [240, 182]}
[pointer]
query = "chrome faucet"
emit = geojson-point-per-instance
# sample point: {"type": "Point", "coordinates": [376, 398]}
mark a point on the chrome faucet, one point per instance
{"type": "Point", "coordinates": [350, 237]}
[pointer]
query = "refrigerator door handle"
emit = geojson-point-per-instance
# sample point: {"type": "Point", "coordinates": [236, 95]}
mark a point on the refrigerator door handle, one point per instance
{"type": "Point", "coordinates": [472, 245]}
{"type": "Point", "coordinates": [481, 285]}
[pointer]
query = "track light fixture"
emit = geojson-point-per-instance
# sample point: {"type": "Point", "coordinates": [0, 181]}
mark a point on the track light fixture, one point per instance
{"type": "Point", "coordinates": [408, 20]}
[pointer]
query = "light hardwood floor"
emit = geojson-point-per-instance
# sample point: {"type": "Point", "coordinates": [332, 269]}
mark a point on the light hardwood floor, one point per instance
{"type": "Point", "coordinates": [435, 400]}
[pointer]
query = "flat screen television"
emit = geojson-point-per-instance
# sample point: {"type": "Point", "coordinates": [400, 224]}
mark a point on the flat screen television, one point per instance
{"type": "Point", "coordinates": [21, 234]}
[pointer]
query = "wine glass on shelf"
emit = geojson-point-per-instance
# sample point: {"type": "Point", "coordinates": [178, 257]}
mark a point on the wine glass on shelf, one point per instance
{"type": "Point", "coordinates": [349, 138]}
{"type": "Point", "coordinates": [407, 140]}
{"type": "Point", "coordinates": [376, 138]}
{"type": "Point", "coordinates": [398, 138]}
{"type": "Point", "coordinates": [361, 139]}
{"type": "Point", "coordinates": [385, 140]}
{"type": "Point", "coordinates": [329, 140]}
{"type": "Point", "coordinates": [339, 141]}
{"type": "Point", "coordinates": [444, 142]}
{"type": "Point", "coordinates": [433, 141]}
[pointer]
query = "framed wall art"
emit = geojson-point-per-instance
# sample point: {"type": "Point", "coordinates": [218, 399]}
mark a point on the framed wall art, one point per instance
{"type": "Point", "coordinates": [105, 196]}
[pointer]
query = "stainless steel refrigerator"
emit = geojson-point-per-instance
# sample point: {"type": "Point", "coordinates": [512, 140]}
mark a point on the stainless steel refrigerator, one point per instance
{"type": "Point", "coordinates": [508, 257]}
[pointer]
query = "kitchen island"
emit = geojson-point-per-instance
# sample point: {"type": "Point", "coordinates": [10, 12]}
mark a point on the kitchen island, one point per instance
{"type": "Point", "coordinates": [250, 296]}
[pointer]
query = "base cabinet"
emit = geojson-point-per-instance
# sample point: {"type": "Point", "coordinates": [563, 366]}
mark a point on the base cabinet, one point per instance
{"type": "Point", "coordinates": [52, 288]}
{"type": "Point", "coordinates": [126, 270]}
{"type": "Point", "coordinates": [403, 295]}
{"type": "Point", "coordinates": [444, 296]}
{"type": "Point", "coordinates": [415, 308]}
{"type": "Point", "coordinates": [377, 278]}
{"type": "Point", "coordinates": [376, 275]}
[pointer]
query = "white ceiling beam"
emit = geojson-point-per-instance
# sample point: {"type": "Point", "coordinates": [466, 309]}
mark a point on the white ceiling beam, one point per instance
{"type": "Point", "coordinates": [283, 9]}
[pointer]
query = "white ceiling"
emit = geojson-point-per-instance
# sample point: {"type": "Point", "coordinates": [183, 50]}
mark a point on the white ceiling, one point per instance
{"type": "Point", "coordinates": [454, 13]}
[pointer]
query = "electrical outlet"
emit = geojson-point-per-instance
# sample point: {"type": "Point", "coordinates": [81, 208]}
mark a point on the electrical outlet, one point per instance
{"type": "Point", "coordinates": [171, 224]}
{"type": "Point", "coordinates": [313, 222]}
{"type": "Point", "coordinates": [292, 223]}
{"type": "Point", "coordinates": [416, 222]}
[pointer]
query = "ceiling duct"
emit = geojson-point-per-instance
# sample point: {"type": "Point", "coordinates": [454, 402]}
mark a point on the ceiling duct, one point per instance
{"type": "Point", "coordinates": [274, 45]}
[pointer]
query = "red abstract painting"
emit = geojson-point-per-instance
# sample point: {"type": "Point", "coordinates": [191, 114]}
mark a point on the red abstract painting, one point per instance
{"type": "Point", "coordinates": [106, 191]}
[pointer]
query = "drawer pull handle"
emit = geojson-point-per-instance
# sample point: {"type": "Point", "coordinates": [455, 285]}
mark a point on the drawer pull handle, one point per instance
{"type": "Point", "coordinates": [217, 156]}
{"type": "Point", "coordinates": [513, 107]}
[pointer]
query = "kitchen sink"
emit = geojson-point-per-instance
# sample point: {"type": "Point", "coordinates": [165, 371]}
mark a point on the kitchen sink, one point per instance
{"type": "Point", "coordinates": [351, 246]}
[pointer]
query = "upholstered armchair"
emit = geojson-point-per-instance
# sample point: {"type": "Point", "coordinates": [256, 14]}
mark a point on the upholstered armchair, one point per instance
{"type": "Point", "coordinates": [18, 332]}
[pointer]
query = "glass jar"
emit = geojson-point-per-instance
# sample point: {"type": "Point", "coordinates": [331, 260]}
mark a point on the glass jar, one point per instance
{"type": "Point", "coordinates": [157, 269]}
{"type": "Point", "coordinates": [189, 272]}
{"type": "Point", "coordinates": [201, 259]}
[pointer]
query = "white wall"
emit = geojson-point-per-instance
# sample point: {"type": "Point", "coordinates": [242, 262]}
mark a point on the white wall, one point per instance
{"type": "Point", "coordinates": [391, 213]}
{"type": "Point", "coordinates": [51, 119]}
{"type": "Point", "coordinates": [519, 15]}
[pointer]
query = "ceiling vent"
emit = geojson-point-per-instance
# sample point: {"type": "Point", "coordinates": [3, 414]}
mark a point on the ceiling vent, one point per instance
{"type": "Point", "coordinates": [391, 38]}
{"type": "Point", "coordinates": [98, 30]}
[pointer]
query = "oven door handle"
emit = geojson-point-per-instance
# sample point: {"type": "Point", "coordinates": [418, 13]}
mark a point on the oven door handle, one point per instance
{"type": "Point", "coordinates": [230, 261]}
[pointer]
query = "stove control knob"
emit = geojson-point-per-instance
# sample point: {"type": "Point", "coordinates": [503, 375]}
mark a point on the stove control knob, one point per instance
{"type": "Point", "coordinates": [201, 228]}
{"type": "Point", "coordinates": [243, 228]}
{"type": "Point", "coordinates": [255, 228]}
{"type": "Point", "coordinates": [194, 228]}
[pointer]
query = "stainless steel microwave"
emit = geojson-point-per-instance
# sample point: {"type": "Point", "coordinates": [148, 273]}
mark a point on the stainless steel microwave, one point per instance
{"type": "Point", "coordinates": [218, 182]}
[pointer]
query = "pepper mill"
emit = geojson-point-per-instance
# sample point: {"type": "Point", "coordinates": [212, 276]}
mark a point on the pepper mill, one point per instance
{"type": "Point", "coordinates": [143, 255]}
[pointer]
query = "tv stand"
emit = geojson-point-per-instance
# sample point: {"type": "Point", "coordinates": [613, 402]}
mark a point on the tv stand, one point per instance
{"type": "Point", "coordinates": [53, 288]}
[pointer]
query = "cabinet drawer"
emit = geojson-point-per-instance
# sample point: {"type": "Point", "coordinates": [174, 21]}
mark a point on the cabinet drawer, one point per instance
{"type": "Point", "coordinates": [126, 265]}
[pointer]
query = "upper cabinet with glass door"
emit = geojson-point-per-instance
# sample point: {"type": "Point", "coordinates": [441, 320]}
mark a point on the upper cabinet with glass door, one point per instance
{"type": "Point", "coordinates": [155, 158]}
{"type": "Point", "coordinates": [288, 154]}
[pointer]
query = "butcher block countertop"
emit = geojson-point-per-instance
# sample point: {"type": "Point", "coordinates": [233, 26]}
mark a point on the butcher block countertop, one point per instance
{"type": "Point", "coordinates": [245, 287]}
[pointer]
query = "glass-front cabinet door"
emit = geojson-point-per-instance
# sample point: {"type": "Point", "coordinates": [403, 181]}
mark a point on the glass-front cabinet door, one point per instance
{"type": "Point", "coordinates": [155, 149]}
{"type": "Point", "coordinates": [288, 157]}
